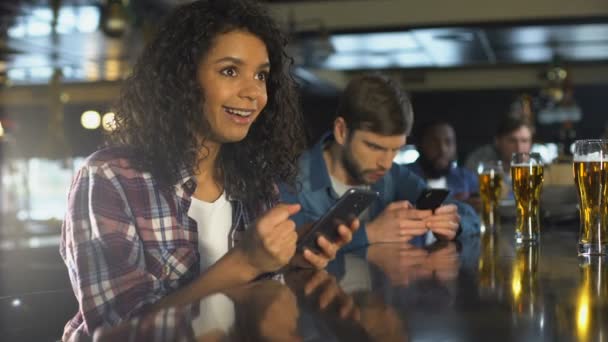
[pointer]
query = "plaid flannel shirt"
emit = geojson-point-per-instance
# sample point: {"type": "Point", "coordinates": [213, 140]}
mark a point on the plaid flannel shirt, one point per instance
{"type": "Point", "coordinates": [126, 243]}
{"type": "Point", "coordinates": [171, 324]}
{"type": "Point", "coordinates": [174, 323]}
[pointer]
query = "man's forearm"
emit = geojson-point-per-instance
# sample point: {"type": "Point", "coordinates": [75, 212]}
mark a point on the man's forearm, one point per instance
{"type": "Point", "coordinates": [369, 232]}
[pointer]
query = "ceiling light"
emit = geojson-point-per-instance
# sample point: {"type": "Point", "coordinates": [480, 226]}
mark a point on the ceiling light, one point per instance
{"type": "Point", "coordinates": [373, 42]}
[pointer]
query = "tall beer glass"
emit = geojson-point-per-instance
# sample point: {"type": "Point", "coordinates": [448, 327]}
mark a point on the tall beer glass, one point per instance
{"type": "Point", "coordinates": [490, 189]}
{"type": "Point", "coordinates": [591, 179]}
{"type": "Point", "coordinates": [527, 179]}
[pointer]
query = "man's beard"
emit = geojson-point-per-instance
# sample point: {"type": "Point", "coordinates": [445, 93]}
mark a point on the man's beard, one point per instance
{"type": "Point", "coordinates": [430, 171]}
{"type": "Point", "coordinates": [352, 168]}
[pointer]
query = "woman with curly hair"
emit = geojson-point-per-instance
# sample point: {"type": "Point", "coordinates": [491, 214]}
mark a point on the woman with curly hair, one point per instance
{"type": "Point", "coordinates": [183, 202]}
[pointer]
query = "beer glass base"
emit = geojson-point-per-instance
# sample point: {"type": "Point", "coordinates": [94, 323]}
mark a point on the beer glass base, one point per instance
{"type": "Point", "coordinates": [586, 260]}
{"type": "Point", "coordinates": [520, 238]}
{"type": "Point", "coordinates": [592, 249]}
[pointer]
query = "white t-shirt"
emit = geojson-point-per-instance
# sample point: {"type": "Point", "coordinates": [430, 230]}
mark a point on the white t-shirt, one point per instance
{"type": "Point", "coordinates": [216, 313]}
{"type": "Point", "coordinates": [214, 221]}
{"type": "Point", "coordinates": [438, 183]}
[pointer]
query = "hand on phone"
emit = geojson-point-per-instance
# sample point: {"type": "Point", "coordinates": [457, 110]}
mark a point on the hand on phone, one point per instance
{"type": "Point", "coordinates": [431, 199]}
{"type": "Point", "coordinates": [444, 222]}
{"type": "Point", "coordinates": [398, 222]}
{"type": "Point", "coordinates": [271, 243]}
{"type": "Point", "coordinates": [343, 213]}
{"type": "Point", "coordinates": [326, 249]}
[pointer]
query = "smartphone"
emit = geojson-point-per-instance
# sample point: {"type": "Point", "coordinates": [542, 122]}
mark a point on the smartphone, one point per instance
{"type": "Point", "coordinates": [431, 199]}
{"type": "Point", "coordinates": [344, 211]}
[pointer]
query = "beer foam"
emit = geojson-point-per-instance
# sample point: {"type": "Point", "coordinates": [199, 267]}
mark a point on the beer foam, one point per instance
{"type": "Point", "coordinates": [531, 163]}
{"type": "Point", "coordinates": [591, 157]}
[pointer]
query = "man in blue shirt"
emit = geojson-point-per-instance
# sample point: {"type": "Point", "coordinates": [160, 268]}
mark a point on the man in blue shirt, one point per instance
{"type": "Point", "coordinates": [437, 163]}
{"type": "Point", "coordinates": [514, 134]}
{"type": "Point", "coordinates": [374, 117]}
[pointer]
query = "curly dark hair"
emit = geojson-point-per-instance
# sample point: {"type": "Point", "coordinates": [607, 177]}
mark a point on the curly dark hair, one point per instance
{"type": "Point", "coordinates": [158, 114]}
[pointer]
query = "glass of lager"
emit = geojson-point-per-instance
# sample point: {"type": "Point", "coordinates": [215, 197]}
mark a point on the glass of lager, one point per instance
{"type": "Point", "coordinates": [591, 179]}
{"type": "Point", "coordinates": [527, 180]}
{"type": "Point", "coordinates": [490, 190]}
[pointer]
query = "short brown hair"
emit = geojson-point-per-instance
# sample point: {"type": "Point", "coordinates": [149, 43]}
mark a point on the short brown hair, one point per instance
{"type": "Point", "coordinates": [377, 104]}
{"type": "Point", "coordinates": [511, 123]}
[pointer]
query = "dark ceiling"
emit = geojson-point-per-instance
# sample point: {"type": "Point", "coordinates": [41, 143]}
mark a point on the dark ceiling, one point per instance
{"type": "Point", "coordinates": [464, 46]}
{"type": "Point", "coordinates": [29, 53]}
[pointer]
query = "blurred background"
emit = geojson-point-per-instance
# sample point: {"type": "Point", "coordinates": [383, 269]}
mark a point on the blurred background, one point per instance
{"type": "Point", "coordinates": [468, 62]}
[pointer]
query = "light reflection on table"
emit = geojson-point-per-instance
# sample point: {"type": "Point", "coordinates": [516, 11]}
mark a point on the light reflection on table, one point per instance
{"type": "Point", "coordinates": [478, 289]}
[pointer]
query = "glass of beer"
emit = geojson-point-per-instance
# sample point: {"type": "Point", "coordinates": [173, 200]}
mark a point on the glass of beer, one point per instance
{"type": "Point", "coordinates": [591, 179]}
{"type": "Point", "coordinates": [490, 189]}
{"type": "Point", "coordinates": [527, 180]}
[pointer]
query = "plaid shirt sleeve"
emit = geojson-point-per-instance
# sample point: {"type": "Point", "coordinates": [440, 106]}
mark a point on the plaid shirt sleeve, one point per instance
{"type": "Point", "coordinates": [103, 253]}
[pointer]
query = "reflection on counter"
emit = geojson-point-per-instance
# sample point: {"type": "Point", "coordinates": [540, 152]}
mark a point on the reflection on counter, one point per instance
{"type": "Point", "coordinates": [488, 267]}
{"type": "Point", "coordinates": [486, 288]}
{"type": "Point", "coordinates": [526, 292]}
{"type": "Point", "coordinates": [591, 314]}
{"type": "Point", "coordinates": [404, 264]}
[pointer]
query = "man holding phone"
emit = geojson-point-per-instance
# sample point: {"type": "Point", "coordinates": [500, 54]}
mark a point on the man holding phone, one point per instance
{"type": "Point", "coordinates": [437, 165]}
{"type": "Point", "coordinates": [374, 117]}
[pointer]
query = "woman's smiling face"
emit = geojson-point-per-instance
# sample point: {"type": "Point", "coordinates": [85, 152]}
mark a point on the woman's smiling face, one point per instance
{"type": "Point", "coordinates": [233, 77]}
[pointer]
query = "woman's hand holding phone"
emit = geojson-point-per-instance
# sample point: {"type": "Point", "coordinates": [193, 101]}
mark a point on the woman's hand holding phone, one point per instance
{"type": "Point", "coordinates": [318, 244]}
{"type": "Point", "coordinates": [271, 242]}
{"type": "Point", "coordinates": [327, 249]}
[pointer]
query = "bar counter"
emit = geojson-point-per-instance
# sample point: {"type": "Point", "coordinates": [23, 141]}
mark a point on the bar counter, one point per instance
{"type": "Point", "coordinates": [484, 288]}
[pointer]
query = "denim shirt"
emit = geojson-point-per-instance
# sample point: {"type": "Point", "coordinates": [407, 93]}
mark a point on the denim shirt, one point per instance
{"type": "Point", "coordinates": [316, 194]}
{"type": "Point", "coordinates": [459, 180]}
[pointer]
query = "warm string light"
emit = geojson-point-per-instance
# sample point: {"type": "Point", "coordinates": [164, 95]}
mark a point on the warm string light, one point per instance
{"type": "Point", "coordinates": [107, 121]}
{"type": "Point", "coordinates": [92, 120]}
